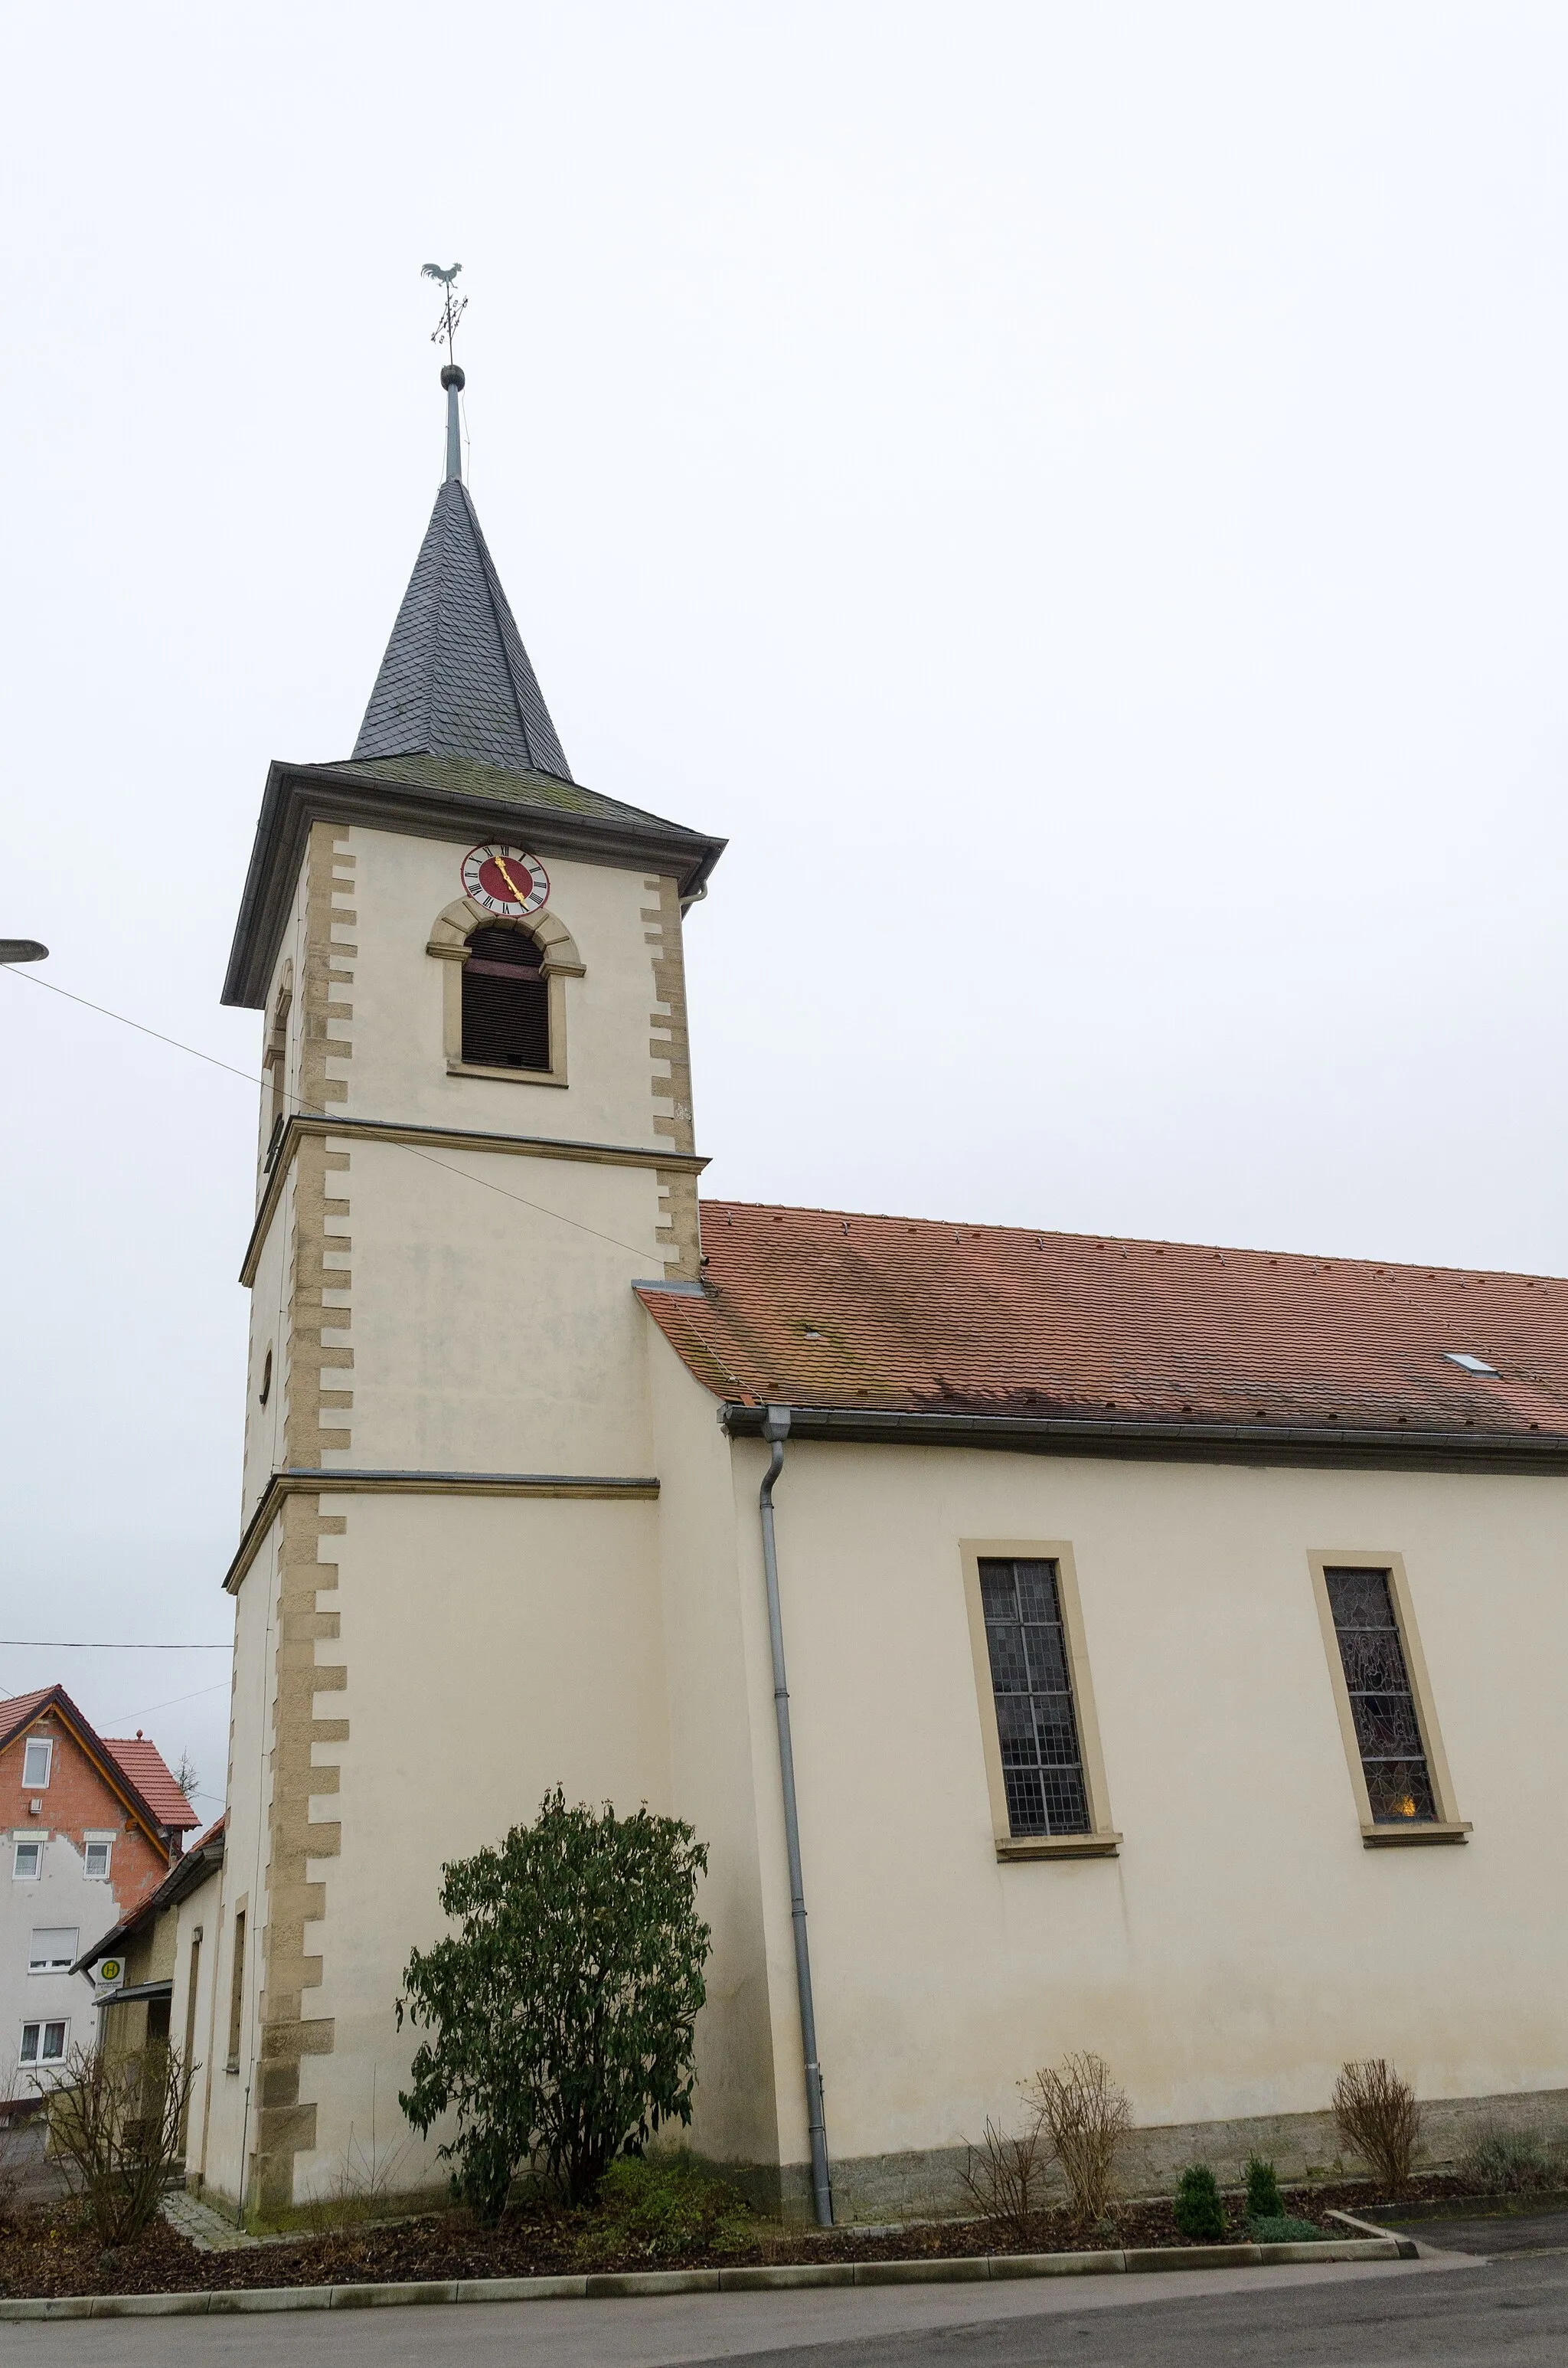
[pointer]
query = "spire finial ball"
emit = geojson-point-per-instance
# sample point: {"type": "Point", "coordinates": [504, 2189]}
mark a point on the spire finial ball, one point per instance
{"type": "Point", "coordinates": [452, 376]}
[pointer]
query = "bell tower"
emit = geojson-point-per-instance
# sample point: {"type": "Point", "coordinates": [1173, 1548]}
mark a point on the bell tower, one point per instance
{"type": "Point", "coordinates": [476, 1138]}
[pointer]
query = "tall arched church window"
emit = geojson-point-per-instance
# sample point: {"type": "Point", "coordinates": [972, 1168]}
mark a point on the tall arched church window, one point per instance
{"type": "Point", "coordinates": [505, 1002]}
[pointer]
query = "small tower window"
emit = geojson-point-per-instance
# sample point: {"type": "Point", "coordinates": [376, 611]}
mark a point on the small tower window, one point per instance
{"type": "Point", "coordinates": [505, 1002]}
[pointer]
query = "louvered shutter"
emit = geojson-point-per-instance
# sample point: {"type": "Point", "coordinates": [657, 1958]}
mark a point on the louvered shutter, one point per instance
{"type": "Point", "coordinates": [505, 1002]}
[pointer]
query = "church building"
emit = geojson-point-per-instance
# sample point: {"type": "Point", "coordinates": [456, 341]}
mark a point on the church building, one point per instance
{"type": "Point", "coordinates": [1059, 1642]}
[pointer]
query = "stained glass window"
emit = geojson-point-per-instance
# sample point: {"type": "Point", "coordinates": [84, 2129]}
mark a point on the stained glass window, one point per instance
{"type": "Point", "coordinates": [1036, 1723]}
{"type": "Point", "coordinates": [1387, 1732]}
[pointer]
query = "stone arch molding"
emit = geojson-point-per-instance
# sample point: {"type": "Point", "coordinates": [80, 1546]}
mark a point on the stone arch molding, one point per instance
{"type": "Point", "coordinates": [449, 935]}
{"type": "Point", "coordinates": [455, 924]}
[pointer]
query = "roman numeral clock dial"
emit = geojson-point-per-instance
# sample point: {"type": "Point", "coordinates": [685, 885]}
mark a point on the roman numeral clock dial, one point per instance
{"type": "Point", "coordinates": [506, 880]}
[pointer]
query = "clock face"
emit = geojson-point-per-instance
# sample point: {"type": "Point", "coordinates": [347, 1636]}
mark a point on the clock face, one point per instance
{"type": "Point", "coordinates": [506, 881]}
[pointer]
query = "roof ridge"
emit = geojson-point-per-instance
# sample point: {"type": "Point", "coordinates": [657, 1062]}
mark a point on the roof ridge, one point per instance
{"type": "Point", "coordinates": [1139, 1241]}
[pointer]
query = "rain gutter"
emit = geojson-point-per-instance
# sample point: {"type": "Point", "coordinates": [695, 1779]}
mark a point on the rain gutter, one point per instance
{"type": "Point", "coordinates": [775, 1429]}
{"type": "Point", "coordinates": [1340, 1447]}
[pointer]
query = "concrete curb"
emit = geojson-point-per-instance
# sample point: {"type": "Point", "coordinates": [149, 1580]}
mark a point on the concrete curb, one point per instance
{"type": "Point", "coordinates": [1409, 2249]}
{"type": "Point", "coordinates": [756, 2279]}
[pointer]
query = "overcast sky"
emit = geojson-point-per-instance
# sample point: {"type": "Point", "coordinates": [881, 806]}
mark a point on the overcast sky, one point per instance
{"type": "Point", "coordinates": [1077, 494]}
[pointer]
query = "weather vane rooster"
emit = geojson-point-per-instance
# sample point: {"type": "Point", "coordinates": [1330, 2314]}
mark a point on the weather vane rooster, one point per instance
{"type": "Point", "coordinates": [452, 309]}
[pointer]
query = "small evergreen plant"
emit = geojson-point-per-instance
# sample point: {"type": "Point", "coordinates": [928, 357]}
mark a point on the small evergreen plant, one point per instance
{"type": "Point", "coordinates": [560, 2005]}
{"type": "Point", "coordinates": [1199, 2214]}
{"type": "Point", "coordinates": [657, 2209]}
{"type": "Point", "coordinates": [1263, 2200]}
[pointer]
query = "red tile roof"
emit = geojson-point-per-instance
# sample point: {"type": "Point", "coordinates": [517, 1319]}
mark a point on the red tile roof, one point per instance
{"type": "Point", "coordinates": [144, 1764]}
{"type": "Point", "coordinates": [15, 1711]}
{"type": "Point", "coordinates": [138, 1763]}
{"type": "Point", "coordinates": [817, 1307]}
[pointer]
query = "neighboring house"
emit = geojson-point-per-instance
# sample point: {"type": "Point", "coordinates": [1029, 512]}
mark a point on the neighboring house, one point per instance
{"type": "Point", "coordinates": [1174, 1636]}
{"type": "Point", "coordinates": [92, 1824]}
{"type": "Point", "coordinates": [164, 1988]}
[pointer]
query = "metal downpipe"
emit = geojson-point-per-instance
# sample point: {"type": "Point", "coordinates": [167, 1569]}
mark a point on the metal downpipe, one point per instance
{"type": "Point", "coordinates": [775, 1430]}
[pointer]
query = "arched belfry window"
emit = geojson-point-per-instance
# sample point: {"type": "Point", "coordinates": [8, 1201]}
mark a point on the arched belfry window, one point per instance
{"type": "Point", "coordinates": [503, 995]}
{"type": "Point", "coordinates": [505, 1002]}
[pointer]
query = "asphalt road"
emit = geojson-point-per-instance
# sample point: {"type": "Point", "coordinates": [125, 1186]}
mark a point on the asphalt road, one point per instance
{"type": "Point", "coordinates": [1496, 2296]}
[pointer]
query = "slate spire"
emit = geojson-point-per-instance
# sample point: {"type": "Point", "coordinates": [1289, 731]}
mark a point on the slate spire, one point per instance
{"type": "Point", "coordinates": [456, 680]}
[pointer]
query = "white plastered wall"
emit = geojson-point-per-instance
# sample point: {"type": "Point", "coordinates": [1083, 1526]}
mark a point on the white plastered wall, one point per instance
{"type": "Point", "coordinates": [199, 1911]}
{"type": "Point", "coordinates": [214, 2150]}
{"type": "Point", "coordinates": [264, 1435]}
{"type": "Point", "coordinates": [1244, 1943]}
{"type": "Point", "coordinates": [398, 1071]}
{"type": "Point", "coordinates": [289, 963]}
{"type": "Point", "coordinates": [60, 1898]}
{"type": "Point", "coordinates": [716, 1768]}
{"type": "Point", "coordinates": [494, 1326]}
{"type": "Point", "coordinates": [495, 1647]}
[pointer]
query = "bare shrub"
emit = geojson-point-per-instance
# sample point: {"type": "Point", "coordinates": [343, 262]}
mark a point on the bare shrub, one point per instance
{"type": "Point", "coordinates": [118, 2122]}
{"type": "Point", "coordinates": [1002, 2177]}
{"type": "Point", "coordinates": [1085, 2116]}
{"type": "Point", "coordinates": [1512, 2162]}
{"type": "Point", "coordinates": [1378, 2118]}
{"type": "Point", "coordinates": [358, 2192]}
{"type": "Point", "coordinates": [16, 2150]}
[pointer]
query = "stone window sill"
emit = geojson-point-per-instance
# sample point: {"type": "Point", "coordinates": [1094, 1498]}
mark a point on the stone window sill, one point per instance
{"type": "Point", "coordinates": [1404, 1836]}
{"type": "Point", "coordinates": [1019, 1846]}
{"type": "Point", "coordinates": [507, 1076]}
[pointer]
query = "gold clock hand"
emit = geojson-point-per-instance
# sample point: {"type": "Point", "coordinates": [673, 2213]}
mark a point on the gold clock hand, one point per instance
{"type": "Point", "coordinates": [501, 868]}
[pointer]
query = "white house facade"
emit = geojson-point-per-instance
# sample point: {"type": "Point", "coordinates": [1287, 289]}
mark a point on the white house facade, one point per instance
{"type": "Point", "coordinates": [90, 1828]}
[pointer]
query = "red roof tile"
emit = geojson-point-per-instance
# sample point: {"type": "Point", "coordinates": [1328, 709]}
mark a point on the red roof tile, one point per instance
{"type": "Point", "coordinates": [144, 1764]}
{"type": "Point", "coordinates": [15, 1711]}
{"type": "Point", "coordinates": [817, 1307]}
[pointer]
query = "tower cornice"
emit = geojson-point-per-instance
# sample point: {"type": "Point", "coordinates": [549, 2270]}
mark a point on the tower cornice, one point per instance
{"type": "Point", "coordinates": [437, 797]}
{"type": "Point", "coordinates": [339, 1128]}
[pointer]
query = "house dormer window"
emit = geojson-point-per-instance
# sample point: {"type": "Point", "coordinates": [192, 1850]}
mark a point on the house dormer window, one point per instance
{"type": "Point", "coordinates": [505, 1002]}
{"type": "Point", "coordinates": [37, 1753]}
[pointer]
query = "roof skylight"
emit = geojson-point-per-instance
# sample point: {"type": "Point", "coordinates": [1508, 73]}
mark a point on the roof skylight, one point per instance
{"type": "Point", "coordinates": [1470, 1364]}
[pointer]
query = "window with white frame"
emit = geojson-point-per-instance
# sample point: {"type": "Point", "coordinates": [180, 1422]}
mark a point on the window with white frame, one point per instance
{"type": "Point", "coordinates": [96, 1851]}
{"type": "Point", "coordinates": [37, 1753]}
{"type": "Point", "coordinates": [44, 2042]}
{"type": "Point", "coordinates": [52, 1950]}
{"type": "Point", "coordinates": [28, 1863]}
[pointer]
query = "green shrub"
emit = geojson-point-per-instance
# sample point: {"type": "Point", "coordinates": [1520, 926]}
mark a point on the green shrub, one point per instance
{"type": "Point", "coordinates": [1283, 2228]}
{"type": "Point", "coordinates": [657, 2210]}
{"type": "Point", "coordinates": [562, 2008]}
{"type": "Point", "coordinates": [1263, 2191]}
{"type": "Point", "coordinates": [1199, 2214]}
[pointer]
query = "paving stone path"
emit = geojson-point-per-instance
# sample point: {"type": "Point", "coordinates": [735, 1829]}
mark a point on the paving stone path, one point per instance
{"type": "Point", "coordinates": [208, 2230]}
